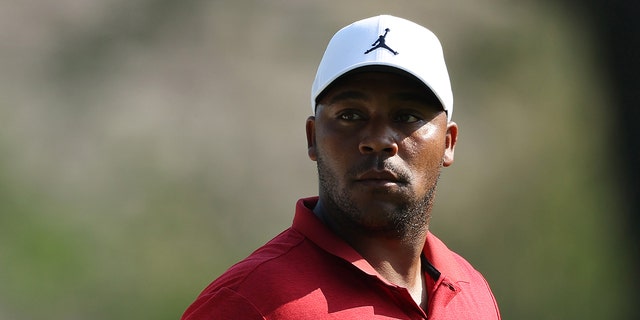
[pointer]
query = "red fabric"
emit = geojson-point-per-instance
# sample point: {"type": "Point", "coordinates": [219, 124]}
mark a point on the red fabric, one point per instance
{"type": "Point", "coordinates": [307, 272]}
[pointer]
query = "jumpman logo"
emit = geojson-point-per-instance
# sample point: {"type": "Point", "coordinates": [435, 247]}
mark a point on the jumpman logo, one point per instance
{"type": "Point", "coordinates": [380, 43]}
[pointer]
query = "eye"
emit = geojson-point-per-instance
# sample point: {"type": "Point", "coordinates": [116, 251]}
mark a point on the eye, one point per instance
{"type": "Point", "coordinates": [350, 115]}
{"type": "Point", "coordinates": [406, 117]}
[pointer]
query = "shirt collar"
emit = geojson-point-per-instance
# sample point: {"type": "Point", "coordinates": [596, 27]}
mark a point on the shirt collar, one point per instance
{"type": "Point", "coordinates": [439, 257]}
{"type": "Point", "coordinates": [444, 260]}
{"type": "Point", "coordinates": [306, 222]}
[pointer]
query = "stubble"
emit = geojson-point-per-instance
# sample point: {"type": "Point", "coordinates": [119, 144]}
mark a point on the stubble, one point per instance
{"type": "Point", "coordinates": [408, 219]}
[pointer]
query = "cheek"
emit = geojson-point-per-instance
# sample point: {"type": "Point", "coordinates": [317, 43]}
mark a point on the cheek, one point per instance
{"type": "Point", "coordinates": [424, 151]}
{"type": "Point", "coordinates": [333, 154]}
{"type": "Point", "coordinates": [333, 146]}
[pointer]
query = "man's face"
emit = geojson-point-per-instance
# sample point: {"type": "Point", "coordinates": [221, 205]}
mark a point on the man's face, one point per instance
{"type": "Point", "coordinates": [380, 140]}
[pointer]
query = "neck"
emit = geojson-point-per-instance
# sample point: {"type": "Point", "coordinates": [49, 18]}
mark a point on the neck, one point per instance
{"type": "Point", "coordinates": [396, 258]}
{"type": "Point", "coordinates": [397, 261]}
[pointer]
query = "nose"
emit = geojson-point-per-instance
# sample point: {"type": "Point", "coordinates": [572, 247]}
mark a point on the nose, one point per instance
{"type": "Point", "coordinates": [379, 139]}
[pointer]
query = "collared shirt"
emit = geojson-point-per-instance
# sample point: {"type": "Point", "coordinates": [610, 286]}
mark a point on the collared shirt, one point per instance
{"type": "Point", "coordinates": [307, 272]}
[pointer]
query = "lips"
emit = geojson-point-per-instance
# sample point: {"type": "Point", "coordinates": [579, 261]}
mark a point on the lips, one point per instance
{"type": "Point", "coordinates": [378, 178]}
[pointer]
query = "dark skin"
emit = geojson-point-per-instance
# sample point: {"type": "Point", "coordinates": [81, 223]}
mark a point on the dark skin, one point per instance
{"type": "Point", "coordinates": [380, 141]}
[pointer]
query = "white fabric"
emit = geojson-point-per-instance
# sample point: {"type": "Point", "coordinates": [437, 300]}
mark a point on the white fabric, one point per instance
{"type": "Point", "coordinates": [419, 53]}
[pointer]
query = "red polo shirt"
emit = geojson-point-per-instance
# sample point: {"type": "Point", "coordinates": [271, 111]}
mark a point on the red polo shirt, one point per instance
{"type": "Point", "coordinates": [307, 272]}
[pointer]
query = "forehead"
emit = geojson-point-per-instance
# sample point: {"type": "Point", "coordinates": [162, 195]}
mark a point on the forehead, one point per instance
{"type": "Point", "coordinates": [380, 81]}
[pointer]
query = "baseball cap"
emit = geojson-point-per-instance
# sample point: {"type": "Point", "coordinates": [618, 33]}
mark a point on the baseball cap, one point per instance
{"type": "Point", "coordinates": [386, 41]}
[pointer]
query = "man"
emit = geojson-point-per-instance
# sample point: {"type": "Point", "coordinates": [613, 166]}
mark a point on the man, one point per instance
{"type": "Point", "coordinates": [381, 133]}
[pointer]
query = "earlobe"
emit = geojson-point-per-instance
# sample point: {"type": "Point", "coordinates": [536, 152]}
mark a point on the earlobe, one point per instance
{"type": "Point", "coordinates": [311, 138]}
{"type": "Point", "coordinates": [450, 143]}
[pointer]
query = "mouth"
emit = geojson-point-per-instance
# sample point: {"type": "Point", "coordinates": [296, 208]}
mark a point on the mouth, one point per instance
{"type": "Point", "coordinates": [376, 178]}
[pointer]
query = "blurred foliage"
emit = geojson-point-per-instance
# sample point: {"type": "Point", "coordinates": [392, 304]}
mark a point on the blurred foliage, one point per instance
{"type": "Point", "coordinates": [146, 146]}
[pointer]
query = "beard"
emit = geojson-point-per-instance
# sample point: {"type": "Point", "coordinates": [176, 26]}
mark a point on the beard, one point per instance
{"type": "Point", "coordinates": [408, 219]}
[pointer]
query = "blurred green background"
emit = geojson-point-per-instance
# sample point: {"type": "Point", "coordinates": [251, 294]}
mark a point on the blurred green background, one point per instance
{"type": "Point", "coordinates": [145, 146]}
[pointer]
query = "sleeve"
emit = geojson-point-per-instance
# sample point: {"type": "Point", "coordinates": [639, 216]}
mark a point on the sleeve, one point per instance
{"type": "Point", "coordinates": [224, 304]}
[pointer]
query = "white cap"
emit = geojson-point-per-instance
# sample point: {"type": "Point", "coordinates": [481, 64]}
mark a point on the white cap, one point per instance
{"type": "Point", "coordinates": [386, 41]}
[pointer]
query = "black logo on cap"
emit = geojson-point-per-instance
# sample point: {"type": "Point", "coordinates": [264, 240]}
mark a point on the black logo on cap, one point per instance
{"type": "Point", "coordinates": [380, 43]}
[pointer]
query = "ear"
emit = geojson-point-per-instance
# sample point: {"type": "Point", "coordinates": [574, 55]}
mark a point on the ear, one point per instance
{"type": "Point", "coordinates": [450, 143]}
{"type": "Point", "coordinates": [311, 138]}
